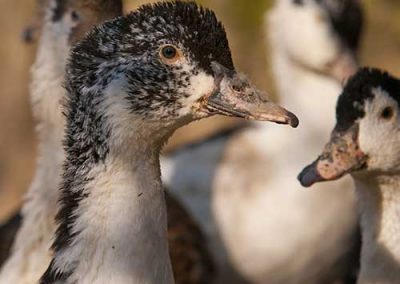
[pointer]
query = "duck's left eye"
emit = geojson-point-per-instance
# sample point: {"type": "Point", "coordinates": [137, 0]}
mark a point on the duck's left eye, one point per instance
{"type": "Point", "coordinates": [75, 16]}
{"type": "Point", "coordinates": [387, 113]}
{"type": "Point", "coordinates": [170, 54]}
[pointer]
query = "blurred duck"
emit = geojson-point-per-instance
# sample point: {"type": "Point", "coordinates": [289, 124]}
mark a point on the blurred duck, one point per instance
{"type": "Point", "coordinates": [365, 144]}
{"type": "Point", "coordinates": [131, 83]}
{"type": "Point", "coordinates": [251, 172]}
{"type": "Point", "coordinates": [64, 23]}
{"type": "Point", "coordinates": [274, 231]}
{"type": "Point", "coordinates": [190, 258]}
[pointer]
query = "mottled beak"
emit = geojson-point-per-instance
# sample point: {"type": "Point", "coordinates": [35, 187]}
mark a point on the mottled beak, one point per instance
{"type": "Point", "coordinates": [235, 96]}
{"type": "Point", "coordinates": [342, 155]}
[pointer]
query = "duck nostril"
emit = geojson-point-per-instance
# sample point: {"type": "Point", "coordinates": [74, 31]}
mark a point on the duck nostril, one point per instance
{"type": "Point", "coordinates": [236, 88]}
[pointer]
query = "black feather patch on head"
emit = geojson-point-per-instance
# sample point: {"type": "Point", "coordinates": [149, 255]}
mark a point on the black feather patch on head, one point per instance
{"type": "Point", "coordinates": [359, 90]}
{"type": "Point", "coordinates": [347, 20]}
{"type": "Point", "coordinates": [197, 28]}
{"type": "Point", "coordinates": [59, 10]}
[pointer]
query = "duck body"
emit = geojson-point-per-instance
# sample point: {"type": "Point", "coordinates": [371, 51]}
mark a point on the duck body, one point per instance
{"type": "Point", "coordinates": [363, 144]}
{"type": "Point", "coordinates": [258, 182]}
{"type": "Point", "coordinates": [261, 181]}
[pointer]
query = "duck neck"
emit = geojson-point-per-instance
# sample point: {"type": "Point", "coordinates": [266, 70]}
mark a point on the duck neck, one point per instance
{"type": "Point", "coordinates": [310, 95]}
{"type": "Point", "coordinates": [379, 199]}
{"type": "Point", "coordinates": [30, 254]}
{"type": "Point", "coordinates": [113, 222]}
{"type": "Point", "coordinates": [46, 93]}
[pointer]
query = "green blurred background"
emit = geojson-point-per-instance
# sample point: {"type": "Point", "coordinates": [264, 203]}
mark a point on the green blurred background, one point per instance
{"type": "Point", "coordinates": [243, 20]}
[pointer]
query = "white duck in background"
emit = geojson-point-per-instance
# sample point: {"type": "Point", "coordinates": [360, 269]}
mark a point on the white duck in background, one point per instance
{"type": "Point", "coordinates": [274, 231]}
{"type": "Point", "coordinates": [251, 173]}
{"type": "Point", "coordinates": [64, 23]}
{"type": "Point", "coordinates": [365, 144]}
{"type": "Point", "coordinates": [131, 82]}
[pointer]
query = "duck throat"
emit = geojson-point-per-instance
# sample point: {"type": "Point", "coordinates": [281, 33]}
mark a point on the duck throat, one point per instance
{"type": "Point", "coordinates": [113, 224]}
{"type": "Point", "coordinates": [379, 205]}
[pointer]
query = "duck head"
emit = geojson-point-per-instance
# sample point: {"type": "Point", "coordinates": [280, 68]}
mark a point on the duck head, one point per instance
{"type": "Point", "coordinates": [319, 35]}
{"type": "Point", "coordinates": [167, 63]}
{"type": "Point", "coordinates": [76, 16]}
{"type": "Point", "coordinates": [367, 135]}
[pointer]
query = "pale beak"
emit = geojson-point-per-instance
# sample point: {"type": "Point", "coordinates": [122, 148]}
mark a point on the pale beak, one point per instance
{"type": "Point", "coordinates": [235, 96]}
{"type": "Point", "coordinates": [343, 67]}
{"type": "Point", "coordinates": [342, 155]}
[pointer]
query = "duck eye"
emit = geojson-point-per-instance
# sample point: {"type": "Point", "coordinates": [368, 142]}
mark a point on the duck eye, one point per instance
{"type": "Point", "coordinates": [169, 52]}
{"type": "Point", "coordinates": [298, 2]}
{"type": "Point", "coordinates": [75, 16]}
{"type": "Point", "coordinates": [387, 113]}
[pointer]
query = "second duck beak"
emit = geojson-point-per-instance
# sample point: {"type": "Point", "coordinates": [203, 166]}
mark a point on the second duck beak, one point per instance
{"type": "Point", "coordinates": [341, 155]}
{"type": "Point", "coordinates": [235, 96]}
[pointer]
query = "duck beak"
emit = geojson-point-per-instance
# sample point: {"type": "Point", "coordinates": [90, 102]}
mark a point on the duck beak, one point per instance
{"type": "Point", "coordinates": [343, 67]}
{"type": "Point", "coordinates": [235, 96]}
{"type": "Point", "coordinates": [341, 155]}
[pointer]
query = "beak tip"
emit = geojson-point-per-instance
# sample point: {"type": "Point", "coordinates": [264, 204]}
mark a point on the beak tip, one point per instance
{"type": "Point", "coordinates": [308, 176]}
{"type": "Point", "coordinates": [293, 120]}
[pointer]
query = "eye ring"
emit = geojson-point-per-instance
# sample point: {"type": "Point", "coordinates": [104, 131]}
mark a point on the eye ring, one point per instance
{"type": "Point", "coordinates": [387, 113]}
{"type": "Point", "coordinates": [170, 54]}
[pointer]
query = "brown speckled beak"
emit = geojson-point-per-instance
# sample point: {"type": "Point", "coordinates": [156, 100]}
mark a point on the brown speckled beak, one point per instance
{"type": "Point", "coordinates": [341, 155]}
{"type": "Point", "coordinates": [235, 96]}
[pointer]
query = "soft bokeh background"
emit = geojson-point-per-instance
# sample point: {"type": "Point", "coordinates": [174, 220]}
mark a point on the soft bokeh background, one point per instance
{"type": "Point", "coordinates": [243, 20]}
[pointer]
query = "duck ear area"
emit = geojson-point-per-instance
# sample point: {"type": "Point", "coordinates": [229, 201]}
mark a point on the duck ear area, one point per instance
{"type": "Point", "coordinates": [342, 155]}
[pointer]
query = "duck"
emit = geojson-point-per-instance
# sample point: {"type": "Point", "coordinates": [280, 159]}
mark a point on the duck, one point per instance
{"type": "Point", "coordinates": [131, 82]}
{"type": "Point", "coordinates": [364, 145]}
{"type": "Point", "coordinates": [314, 51]}
{"type": "Point", "coordinates": [30, 231]}
{"type": "Point", "coordinates": [251, 172]}
{"type": "Point", "coordinates": [190, 258]}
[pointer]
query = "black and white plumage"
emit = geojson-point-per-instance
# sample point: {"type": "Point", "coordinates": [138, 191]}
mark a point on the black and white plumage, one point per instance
{"type": "Point", "coordinates": [364, 144]}
{"type": "Point", "coordinates": [131, 82]}
{"type": "Point", "coordinates": [189, 255]}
